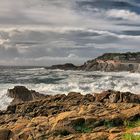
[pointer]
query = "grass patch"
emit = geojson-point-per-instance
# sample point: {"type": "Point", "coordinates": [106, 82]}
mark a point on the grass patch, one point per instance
{"type": "Point", "coordinates": [108, 124]}
{"type": "Point", "coordinates": [130, 137]}
{"type": "Point", "coordinates": [81, 126]}
{"type": "Point", "coordinates": [131, 124]}
{"type": "Point", "coordinates": [113, 122]}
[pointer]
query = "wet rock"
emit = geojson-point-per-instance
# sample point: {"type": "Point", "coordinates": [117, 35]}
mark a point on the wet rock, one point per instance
{"type": "Point", "coordinates": [22, 94]}
{"type": "Point", "coordinates": [11, 108]}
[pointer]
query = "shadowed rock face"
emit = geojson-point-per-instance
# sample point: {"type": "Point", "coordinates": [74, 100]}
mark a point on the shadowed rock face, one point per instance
{"type": "Point", "coordinates": [22, 94]}
{"type": "Point", "coordinates": [114, 62]}
{"type": "Point", "coordinates": [5, 134]}
{"type": "Point", "coordinates": [73, 116]}
{"type": "Point", "coordinates": [117, 97]}
{"type": "Point", "coordinates": [111, 66]}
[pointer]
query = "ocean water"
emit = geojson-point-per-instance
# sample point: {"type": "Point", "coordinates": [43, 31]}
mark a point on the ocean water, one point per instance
{"type": "Point", "coordinates": [61, 82]}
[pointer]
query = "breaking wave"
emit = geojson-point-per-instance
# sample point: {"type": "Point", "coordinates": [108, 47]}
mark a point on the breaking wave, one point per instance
{"type": "Point", "coordinates": [61, 82]}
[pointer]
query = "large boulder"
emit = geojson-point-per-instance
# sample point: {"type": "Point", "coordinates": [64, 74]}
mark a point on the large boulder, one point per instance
{"type": "Point", "coordinates": [5, 134]}
{"type": "Point", "coordinates": [22, 94]}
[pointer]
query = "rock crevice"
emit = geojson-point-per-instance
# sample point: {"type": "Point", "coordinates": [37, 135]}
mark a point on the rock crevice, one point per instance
{"type": "Point", "coordinates": [73, 116]}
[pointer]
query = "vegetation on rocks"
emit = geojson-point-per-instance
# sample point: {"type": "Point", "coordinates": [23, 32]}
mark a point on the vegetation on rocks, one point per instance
{"type": "Point", "coordinates": [109, 115]}
{"type": "Point", "coordinates": [129, 56]}
{"type": "Point", "coordinates": [130, 137]}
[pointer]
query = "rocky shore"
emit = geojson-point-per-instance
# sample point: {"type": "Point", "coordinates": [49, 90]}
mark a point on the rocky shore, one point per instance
{"type": "Point", "coordinates": [110, 115]}
{"type": "Point", "coordinates": [109, 62]}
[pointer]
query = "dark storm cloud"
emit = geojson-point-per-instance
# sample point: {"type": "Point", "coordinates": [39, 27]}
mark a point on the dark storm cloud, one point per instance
{"type": "Point", "coordinates": [111, 4]}
{"type": "Point", "coordinates": [44, 32]}
{"type": "Point", "coordinates": [132, 32]}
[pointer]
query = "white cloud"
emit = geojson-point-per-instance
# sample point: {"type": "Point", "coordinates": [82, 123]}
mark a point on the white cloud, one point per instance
{"type": "Point", "coordinates": [53, 31]}
{"type": "Point", "coordinates": [72, 55]}
{"type": "Point", "coordinates": [124, 14]}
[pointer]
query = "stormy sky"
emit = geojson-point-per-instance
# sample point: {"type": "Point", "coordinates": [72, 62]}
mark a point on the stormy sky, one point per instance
{"type": "Point", "coordinates": [46, 32]}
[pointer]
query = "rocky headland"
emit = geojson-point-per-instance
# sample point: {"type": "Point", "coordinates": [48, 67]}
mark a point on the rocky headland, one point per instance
{"type": "Point", "coordinates": [110, 115]}
{"type": "Point", "coordinates": [67, 66]}
{"type": "Point", "coordinates": [109, 62]}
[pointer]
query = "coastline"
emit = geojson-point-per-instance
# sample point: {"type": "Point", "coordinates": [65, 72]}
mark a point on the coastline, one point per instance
{"type": "Point", "coordinates": [74, 116]}
{"type": "Point", "coordinates": [82, 115]}
{"type": "Point", "coordinates": [54, 82]}
{"type": "Point", "coordinates": [108, 62]}
{"type": "Point", "coordinates": [70, 70]}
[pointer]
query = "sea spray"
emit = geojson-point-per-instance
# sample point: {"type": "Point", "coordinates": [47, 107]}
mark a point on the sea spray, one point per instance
{"type": "Point", "coordinates": [61, 82]}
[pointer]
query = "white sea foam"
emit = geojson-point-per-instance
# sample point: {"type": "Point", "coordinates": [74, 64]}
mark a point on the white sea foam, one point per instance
{"type": "Point", "coordinates": [35, 69]}
{"type": "Point", "coordinates": [4, 99]}
{"type": "Point", "coordinates": [62, 82]}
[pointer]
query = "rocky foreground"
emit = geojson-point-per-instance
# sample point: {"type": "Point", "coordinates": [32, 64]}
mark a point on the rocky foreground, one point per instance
{"type": "Point", "coordinates": [110, 115]}
{"type": "Point", "coordinates": [109, 62]}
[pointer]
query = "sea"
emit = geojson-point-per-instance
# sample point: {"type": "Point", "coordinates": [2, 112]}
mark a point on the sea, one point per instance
{"type": "Point", "coordinates": [62, 82]}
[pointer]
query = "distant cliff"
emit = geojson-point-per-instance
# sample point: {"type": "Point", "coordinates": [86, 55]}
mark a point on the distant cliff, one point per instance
{"type": "Point", "coordinates": [114, 62]}
{"type": "Point", "coordinates": [123, 57]}
{"type": "Point", "coordinates": [67, 66]}
{"type": "Point", "coordinates": [108, 62]}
